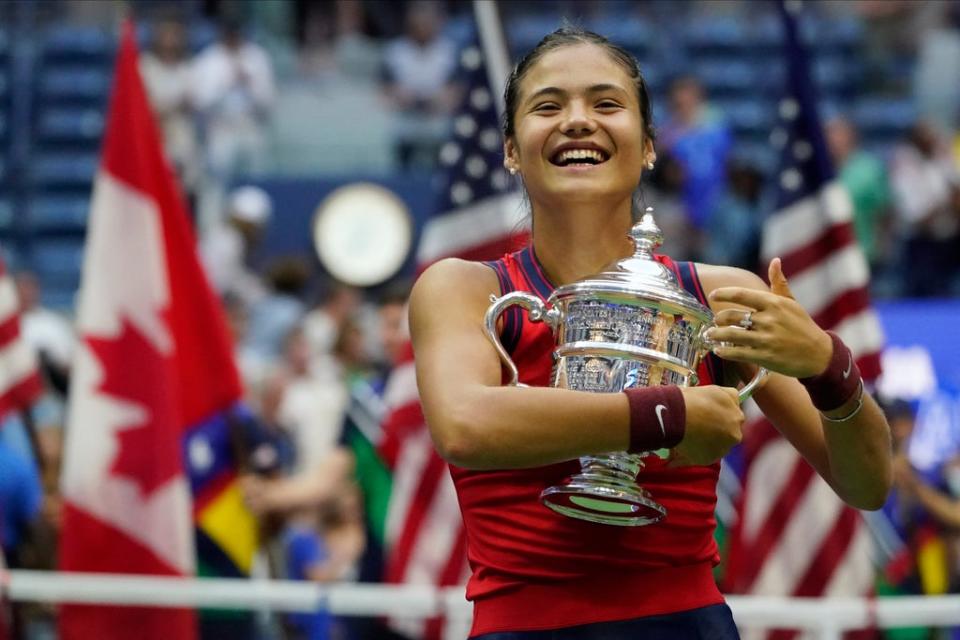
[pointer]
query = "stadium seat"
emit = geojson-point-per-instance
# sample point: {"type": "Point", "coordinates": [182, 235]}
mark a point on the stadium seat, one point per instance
{"type": "Point", "coordinates": [884, 117]}
{"type": "Point", "coordinates": [710, 34]}
{"type": "Point", "coordinates": [749, 117]}
{"type": "Point", "coordinates": [54, 214]}
{"type": "Point", "coordinates": [726, 76]}
{"type": "Point", "coordinates": [6, 215]}
{"type": "Point", "coordinates": [78, 126]}
{"type": "Point", "coordinates": [86, 85]}
{"type": "Point", "coordinates": [72, 43]}
{"type": "Point", "coordinates": [58, 262]}
{"type": "Point", "coordinates": [64, 170]}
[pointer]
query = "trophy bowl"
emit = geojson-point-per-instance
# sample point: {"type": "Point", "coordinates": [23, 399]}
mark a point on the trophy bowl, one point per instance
{"type": "Point", "coordinates": [632, 325]}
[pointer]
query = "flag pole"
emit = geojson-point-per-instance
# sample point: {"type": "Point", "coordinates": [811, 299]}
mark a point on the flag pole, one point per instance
{"type": "Point", "coordinates": [494, 45]}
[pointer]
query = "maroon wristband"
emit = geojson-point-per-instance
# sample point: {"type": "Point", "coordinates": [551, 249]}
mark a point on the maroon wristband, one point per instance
{"type": "Point", "coordinates": [658, 416]}
{"type": "Point", "coordinates": [831, 389]}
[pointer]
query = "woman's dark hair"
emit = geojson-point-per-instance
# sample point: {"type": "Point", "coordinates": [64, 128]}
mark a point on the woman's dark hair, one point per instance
{"type": "Point", "coordinates": [567, 36]}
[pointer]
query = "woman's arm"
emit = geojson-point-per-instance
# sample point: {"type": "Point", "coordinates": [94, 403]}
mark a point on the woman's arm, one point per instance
{"type": "Point", "coordinates": [478, 423]}
{"type": "Point", "coordinates": [853, 456]}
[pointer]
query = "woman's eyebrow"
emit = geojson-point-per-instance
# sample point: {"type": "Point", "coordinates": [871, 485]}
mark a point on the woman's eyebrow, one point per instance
{"type": "Point", "coordinates": [597, 88]}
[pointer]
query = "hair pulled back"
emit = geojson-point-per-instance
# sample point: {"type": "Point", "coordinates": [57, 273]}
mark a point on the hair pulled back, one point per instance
{"type": "Point", "coordinates": [569, 36]}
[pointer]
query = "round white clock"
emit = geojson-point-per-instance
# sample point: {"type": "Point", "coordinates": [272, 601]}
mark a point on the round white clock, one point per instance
{"type": "Point", "coordinates": [362, 233]}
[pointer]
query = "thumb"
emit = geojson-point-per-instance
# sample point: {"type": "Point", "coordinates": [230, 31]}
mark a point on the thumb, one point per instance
{"type": "Point", "coordinates": [778, 281]}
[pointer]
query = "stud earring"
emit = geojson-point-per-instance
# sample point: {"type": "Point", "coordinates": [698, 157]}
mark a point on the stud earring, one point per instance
{"type": "Point", "coordinates": [513, 171]}
{"type": "Point", "coordinates": [649, 166]}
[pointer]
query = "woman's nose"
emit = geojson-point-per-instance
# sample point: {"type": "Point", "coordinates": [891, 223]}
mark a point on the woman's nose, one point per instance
{"type": "Point", "coordinates": [578, 121]}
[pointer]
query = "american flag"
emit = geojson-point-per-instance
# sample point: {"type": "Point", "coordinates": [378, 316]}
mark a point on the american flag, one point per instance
{"type": "Point", "coordinates": [479, 219]}
{"type": "Point", "coordinates": [793, 536]}
{"type": "Point", "coordinates": [20, 381]}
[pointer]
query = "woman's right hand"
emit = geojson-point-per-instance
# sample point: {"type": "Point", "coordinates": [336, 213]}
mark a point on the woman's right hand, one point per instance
{"type": "Point", "coordinates": [714, 425]}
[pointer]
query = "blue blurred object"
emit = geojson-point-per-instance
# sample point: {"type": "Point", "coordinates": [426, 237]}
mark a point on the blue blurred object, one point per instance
{"type": "Point", "coordinates": [89, 85]}
{"type": "Point", "coordinates": [59, 213]}
{"type": "Point", "coordinates": [6, 215]}
{"type": "Point", "coordinates": [80, 127]}
{"type": "Point", "coordinates": [74, 43]}
{"type": "Point", "coordinates": [929, 323]}
{"type": "Point", "coordinates": [65, 171]}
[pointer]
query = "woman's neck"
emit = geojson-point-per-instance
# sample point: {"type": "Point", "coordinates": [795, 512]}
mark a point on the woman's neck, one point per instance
{"type": "Point", "coordinates": [578, 241]}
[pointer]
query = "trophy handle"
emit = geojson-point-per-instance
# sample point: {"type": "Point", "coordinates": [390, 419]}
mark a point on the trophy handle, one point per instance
{"type": "Point", "coordinates": [748, 389]}
{"type": "Point", "coordinates": [537, 312]}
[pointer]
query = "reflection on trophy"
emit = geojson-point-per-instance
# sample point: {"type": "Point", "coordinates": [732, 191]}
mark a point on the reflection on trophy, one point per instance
{"type": "Point", "coordinates": [632, 325]}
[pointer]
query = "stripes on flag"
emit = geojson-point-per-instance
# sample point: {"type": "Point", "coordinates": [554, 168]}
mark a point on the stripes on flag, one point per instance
{"type": "Point", "coordinates": [20, 380]}
{"type": "Point", "coordinates": [794, 536]}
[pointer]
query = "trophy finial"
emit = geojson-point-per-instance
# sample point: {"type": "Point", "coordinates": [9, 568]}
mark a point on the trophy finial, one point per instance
{"type": "Point", "coordinates": [646, 235]}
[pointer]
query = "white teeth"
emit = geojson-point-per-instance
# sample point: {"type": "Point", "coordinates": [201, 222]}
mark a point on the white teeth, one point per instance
{"type": "Point", "coordinates": [580, 154]}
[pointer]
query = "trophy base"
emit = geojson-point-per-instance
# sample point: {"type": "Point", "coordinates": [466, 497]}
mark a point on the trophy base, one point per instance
{"type": "Point", "coordinates": [606, 501]}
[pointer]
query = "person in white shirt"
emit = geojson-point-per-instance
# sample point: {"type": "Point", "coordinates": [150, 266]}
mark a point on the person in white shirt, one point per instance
{"type": "Point", "coordinates": [232, 89]}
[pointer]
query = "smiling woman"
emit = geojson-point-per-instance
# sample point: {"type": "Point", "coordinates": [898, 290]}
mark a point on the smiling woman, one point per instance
{"type": "Point", "coordinates": [578, 132]}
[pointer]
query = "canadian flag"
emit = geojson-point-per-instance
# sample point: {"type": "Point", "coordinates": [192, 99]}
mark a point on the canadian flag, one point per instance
{"type": "Point", "coordinates": [153, 360]}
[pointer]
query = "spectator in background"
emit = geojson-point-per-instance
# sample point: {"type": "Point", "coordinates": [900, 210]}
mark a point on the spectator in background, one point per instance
{"type": "Point", "coordinates": [274, 316]}
{"type": "Point", "coordinates": [733, 229]}
{"type": "Point", "coordinates": [418, 83]}
{"type": "Point", "coordinates": [698, 137]}
{"type": "Point", "coordinates": [865, 178]}
{"type": "Point", "coordinates": [21, 499]}
{"type": "Point", "coordinates": [322, 324]}
{"type": "Point", "coordinates": [926, 195]}
{"type": "Point", "coordinates": [228, 246]}
{"type": "Point", "coordinates": [166, 73]}
{"type": "Point", "coordinates": [232, 89]}
{"type": "Point", "coordinates": [47, 331]}
{"type": "Point", "coordinates": [664, 193]}
{"type": "Point", "coordinates": [938, 48]}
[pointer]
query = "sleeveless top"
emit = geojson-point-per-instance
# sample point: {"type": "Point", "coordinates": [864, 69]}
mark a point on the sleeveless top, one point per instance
{"type": "Point", "coordinates": [536, 569]}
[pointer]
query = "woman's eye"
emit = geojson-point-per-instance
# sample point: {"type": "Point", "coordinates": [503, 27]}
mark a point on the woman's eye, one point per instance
{"type": "Point", "coordinates": [547, 106]}
{"type": "Point", "coordinates": [607, 104]}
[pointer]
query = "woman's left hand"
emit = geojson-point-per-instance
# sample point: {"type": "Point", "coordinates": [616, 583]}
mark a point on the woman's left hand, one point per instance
{"type": "Point", "coordinates": [770, 329]}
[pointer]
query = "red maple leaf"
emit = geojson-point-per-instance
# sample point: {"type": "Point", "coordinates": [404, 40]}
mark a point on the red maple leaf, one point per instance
{"type": "Point", "coordinates": [148, 451]}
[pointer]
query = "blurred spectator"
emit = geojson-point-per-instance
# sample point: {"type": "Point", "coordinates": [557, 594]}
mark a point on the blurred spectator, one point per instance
{"type": "Point", "coordinates": [323, 323]}
{"type": "Point", "coordinates": [733, 229]}
{"type": "Point", "coordinates": [45, 330]}
{"type": "Point", "coordinates": [938, 102]}
{"type": "Point", "coordinates": [698, 137]}
{"type": "Point", "coordinates": [323, 545]}
{"type": "Point", "coordinates": [925, 189]}
{"type": "Point", "coordinates": [166, 74]}
{"type": "Point", "coordinates": [337, 38]}
{"type": "Point", "coordinates": [21, 499]}
{"type": "Point", "coordinates": [311, 407]}
{"type": "Point", "coordinates": [228, 246]}
{"type": "Point", "coordinates": [418, 82]}
{"type": "Point", "coordinates": [275, 315]}
{"type": "Point", "coordinates": [232, 89]}
{"type": "Point", "coordinates": [865, 178]}
{"type": "Point", "coordinates": [663, 192]}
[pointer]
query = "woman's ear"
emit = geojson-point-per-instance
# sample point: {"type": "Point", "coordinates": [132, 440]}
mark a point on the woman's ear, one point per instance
{"type": "Point", "coordinates": [510, 160]}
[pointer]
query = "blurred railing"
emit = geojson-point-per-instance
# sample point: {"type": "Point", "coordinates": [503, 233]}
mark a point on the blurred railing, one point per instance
{"type": "Point", "coordinates": [828, 618]}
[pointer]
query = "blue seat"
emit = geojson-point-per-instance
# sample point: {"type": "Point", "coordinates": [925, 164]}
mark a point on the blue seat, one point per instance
{"type": "Point", "coordinates": [88, 84]}
{"type": "Point", "coordinates": [64, 170]}
{"type": "Point", "coordinates": [59, 213]}
{"type": "Point", "coordinates": [58, 261]}
{"type": "Point", "coordinates": [753, 117]}
{"type": "Point", "coordinates": [75, 43]}
{"type": "Point", "coordinates": [6, 215]}
{"type": "Point", "coordinates": [884, 117]}
{"type": "Point", "coordinates": [525, 32]}
{"type": "Point", "coordinates": [78, 126]}
{"type": "Point", "coordinates": [726, 76]}
{"type": "Point", "coordinates": [630, 32]}
{"type": "Point", "coordinates": [715, 34]}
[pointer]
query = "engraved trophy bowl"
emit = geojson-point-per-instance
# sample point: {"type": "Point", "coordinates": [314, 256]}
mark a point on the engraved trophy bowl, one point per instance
{"type": "Point", "coordinates": [632, 325]}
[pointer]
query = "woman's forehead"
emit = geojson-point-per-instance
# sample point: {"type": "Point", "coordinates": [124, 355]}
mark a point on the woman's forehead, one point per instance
{"type": "Point", "coordinates": [575, 67]}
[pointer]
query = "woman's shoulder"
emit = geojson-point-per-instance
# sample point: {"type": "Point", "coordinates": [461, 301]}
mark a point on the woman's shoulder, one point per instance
{"type": "Point", "coordinates": [715, 276]}
{"type": "Point", "coordinates": [455, 279]}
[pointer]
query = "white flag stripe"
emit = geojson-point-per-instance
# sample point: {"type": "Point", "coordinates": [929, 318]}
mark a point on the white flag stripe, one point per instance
{"type": "Point", "coordinates": [438, 534]}
{"type": "Point", "coordinates": [816, 288]}
{"type": "Point", "coordinates": [770, 464]}
{"type": "Point", "coordinates": [415, 451]}
{"type": "Point", "coordinates": [804, 221]}
{"type": "Point", "coordinates": [485, 221]}
{"type": "Point", "coordinates": [401, 387]}
{"type": "Point", "coordinates": [856, 569]}
{"type": "Point", "coordinates": [811, 521]}
{"type": "Point", "coordinates": [18, 361]}
{"type": "Point", "coordinates": [861, 332]}
{"type": "Point", "coordinates": [9, 305]}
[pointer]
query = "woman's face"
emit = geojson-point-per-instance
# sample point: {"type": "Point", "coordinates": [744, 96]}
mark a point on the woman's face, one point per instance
{"type": "Point", "coordinates": [578, 129]}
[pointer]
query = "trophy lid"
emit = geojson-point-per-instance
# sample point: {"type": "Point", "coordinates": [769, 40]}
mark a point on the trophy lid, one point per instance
{"type": "Point", "coordinates": [640, 275]}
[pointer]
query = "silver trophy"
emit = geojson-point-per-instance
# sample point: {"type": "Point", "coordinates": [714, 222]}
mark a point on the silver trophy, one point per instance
{"type": "Point", "coordinates": [632, 325]}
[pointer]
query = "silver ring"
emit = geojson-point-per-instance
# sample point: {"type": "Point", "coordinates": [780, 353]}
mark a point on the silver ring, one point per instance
{"type": "Point", "coordinates": [746, 321]}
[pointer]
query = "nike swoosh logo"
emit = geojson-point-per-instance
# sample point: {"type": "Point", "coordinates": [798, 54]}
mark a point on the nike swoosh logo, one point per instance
{"type": "Point", "coordinates": [846, 374]}
{"type": "Point", "coordinates": [660, 408]}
